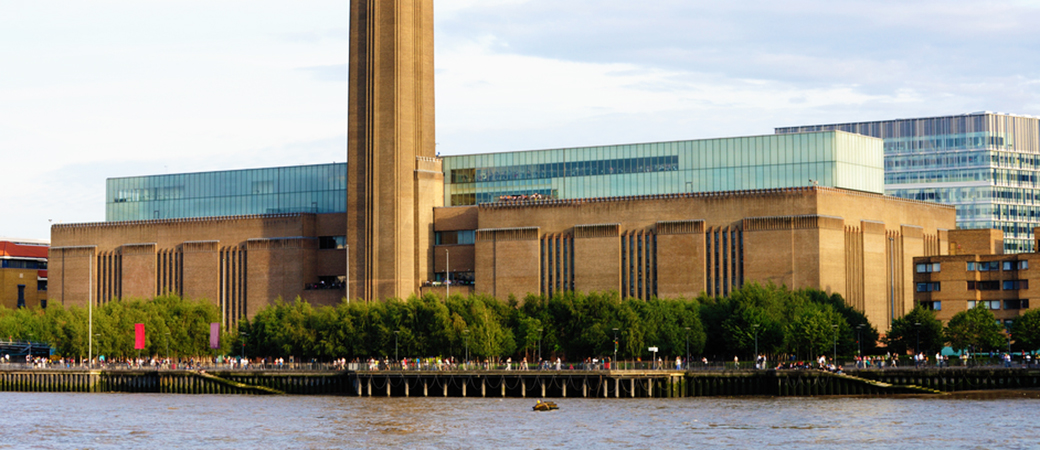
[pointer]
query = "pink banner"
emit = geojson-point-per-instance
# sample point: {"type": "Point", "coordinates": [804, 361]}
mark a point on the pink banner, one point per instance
{"type": "Point", "coordinates": [139, 336]}
{"type": "Point", "coordinates": [214, 335]}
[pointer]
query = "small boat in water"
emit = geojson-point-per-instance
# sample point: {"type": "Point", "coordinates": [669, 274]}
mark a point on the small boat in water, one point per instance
{"type": "Point", "coordinates": [545, 406]}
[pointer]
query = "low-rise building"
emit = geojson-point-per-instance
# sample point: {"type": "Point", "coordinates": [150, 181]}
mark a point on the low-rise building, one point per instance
{"type": "Point", "coordinates": [23, 273]}
{"type": "Point", "coordinates": [977, 274]}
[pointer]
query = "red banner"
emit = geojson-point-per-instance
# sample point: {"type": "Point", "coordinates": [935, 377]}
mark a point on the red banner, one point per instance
{"type": "Point", "coordinates": [139, 336]}
{"type": "Point", "coordinates": [214, 335]}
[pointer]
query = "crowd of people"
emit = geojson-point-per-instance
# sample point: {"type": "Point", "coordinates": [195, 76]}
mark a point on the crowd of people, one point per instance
{"type": "Point", "coordinates": [522, 198]}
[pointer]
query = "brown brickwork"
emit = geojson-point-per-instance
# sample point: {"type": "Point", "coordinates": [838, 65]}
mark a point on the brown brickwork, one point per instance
{"type": "Point", "coordinates": [240, 263]}
{"type": "Point", "coordinates": [394, 178]}
{"type": "Point", "coordinates": [840, 241]}
{"type": "Point", "coordinates": [1006, 285]}
{"type": "Point", "coordinates": [976, 242]}
{"type": "Point", "coordinates": [597, 250]}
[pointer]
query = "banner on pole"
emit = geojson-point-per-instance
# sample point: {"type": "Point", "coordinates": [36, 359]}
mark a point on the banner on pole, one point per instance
{"type": "Point", "coordinates": [138, 336]}
{"type": "Point", "coordinates": [214, 335]}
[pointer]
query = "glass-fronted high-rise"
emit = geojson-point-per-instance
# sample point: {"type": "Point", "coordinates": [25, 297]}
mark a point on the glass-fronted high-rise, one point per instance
{"type": "Point", "coordinates": [986, 164]}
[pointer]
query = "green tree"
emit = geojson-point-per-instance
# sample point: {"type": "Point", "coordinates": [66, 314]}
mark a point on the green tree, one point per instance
{"type": "Point", "coordinates": [976, 328]}
{"type": "Point", "coordinates": [902, 338]}
{"type": "Point", "coordinates": [814, 329]}
{"type": "Point", "coordinates": [1026, 330]}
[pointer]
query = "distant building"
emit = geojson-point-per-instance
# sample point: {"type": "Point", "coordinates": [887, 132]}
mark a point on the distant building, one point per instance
{"type": "Point", "coordinates": [986, 164]}
{"type": "Point", "coordinates": [23, 273]}
{"type": "Point", "coordinates": [977, 274]}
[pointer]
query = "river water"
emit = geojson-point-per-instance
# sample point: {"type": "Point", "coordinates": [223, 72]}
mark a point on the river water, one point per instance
{"type": "Point", "coordinates": [102, 421]}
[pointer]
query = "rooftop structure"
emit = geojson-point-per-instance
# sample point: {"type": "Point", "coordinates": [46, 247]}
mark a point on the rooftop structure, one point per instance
{"type": "Point", "coordinates": [830, 159]}
{"type": "Point", "coordinates": [271, 190]}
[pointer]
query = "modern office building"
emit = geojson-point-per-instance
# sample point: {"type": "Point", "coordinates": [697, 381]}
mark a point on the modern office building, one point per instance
{"type": "Point", "coordinates": [986, 164]}
{"type": "Point", "coordinates": [23, 273]}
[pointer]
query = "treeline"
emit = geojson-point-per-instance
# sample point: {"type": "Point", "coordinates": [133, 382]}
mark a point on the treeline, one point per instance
{"type": "Point", "coordinates": [805, 323]}
{"type": "Point", "coordinates": [801, 323]}
{"type": "Point", "coordinates": [180, 327]}
{"type": "Point", "coordinates": [976, 330]}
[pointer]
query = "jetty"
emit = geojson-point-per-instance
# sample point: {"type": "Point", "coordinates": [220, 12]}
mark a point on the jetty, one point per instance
{"type": "Point", "coordinates": [606, 384]}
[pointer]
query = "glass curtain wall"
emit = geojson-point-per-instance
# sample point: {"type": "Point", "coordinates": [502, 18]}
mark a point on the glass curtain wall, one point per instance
{"type": "Point", "coordinates": [985, 164]}
{"type": "Point", "coordinates": [311, 189]}
{"type": "Point", "coordinates": [833, 159]}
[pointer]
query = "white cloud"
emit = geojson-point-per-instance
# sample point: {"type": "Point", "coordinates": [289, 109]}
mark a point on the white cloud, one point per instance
{"type": "Point", "coordinates": [107, 88]}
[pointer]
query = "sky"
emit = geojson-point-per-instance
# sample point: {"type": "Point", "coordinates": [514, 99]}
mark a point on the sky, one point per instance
{"type": "Point", "coordinates": [116, 88]}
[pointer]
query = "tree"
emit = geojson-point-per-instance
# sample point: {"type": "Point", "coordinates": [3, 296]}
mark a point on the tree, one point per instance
{"type": "Point", "coordinates": [902, 337]}
{"type": "Point", "coordinates": [815, 327]}
{"type": "Point", "coordinates": [1026, 330]}
{"type": "Point", "coordinates": [976, 328]}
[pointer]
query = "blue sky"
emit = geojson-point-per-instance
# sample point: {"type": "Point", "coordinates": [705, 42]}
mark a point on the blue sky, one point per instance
{"type": "Point", "coordinates": [111, 88]}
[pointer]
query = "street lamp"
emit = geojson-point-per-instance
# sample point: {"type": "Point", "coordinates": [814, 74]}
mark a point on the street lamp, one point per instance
{"type": "Point", "coordinates": [396, 333]}
{"type": "Point", "coordinates": [892, 281]}
{"type": "Point", "coordinates": [687, 347]}
{"type": "Point", "coordinates": [755, 327]}
{"type": "Point", "coordinates": [167, 346]}
{"type": "Point", "coordinates": [616, 344]}
{"type": "Point", "coordinates": [834, 360]}
{"type": "Point", "coordinates": [466, 334]}
{"type": "Point", "coordinates": [917, 348]}
{"type": "Point", "coordinates": [859, 339]}
{"type": "Point", "coordinates": [244, 337]}
{"type": "Point", "coordinates": [539, 347]}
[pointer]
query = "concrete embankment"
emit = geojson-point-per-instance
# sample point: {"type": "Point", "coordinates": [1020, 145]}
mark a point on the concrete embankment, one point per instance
{"type": "Point", "coordinates": [524, 384]}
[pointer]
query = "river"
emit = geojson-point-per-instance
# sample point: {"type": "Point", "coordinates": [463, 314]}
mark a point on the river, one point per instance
{"type": "Point", "coordinates": [103, 421]}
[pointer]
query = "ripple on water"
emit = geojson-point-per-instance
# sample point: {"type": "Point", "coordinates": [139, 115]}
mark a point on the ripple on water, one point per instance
{"type": "Point", "coordinates": [184, 421]}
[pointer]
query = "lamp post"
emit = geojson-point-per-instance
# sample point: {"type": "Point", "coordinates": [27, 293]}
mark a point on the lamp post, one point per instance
{"type": "Point", "coordinates": [167, 334]}
{"type": "Point", "coordinates": [616, 345]}
{"type": "Point", "coordinates": [859, 339]}
{"type": "Point", "coordinates": [396, 333]}
{"type": "Point", "coordinates": [447, 272]}
{"type": "Point", "coordinates": [90, 308]}
{"type": "Point", "coordinates": [834, 360]}
{"type": "Point", "coordinates": [917, 347]}
{"type": "Point", "coordinates": [755, 327]}
{"type": "Point", "coordinates": [687, 347]}
{"type": "Point", "coordinates": [244, 337]}
{"type": "Point", "coordinates": [892, 281]}
{"type": "Point", "coordinates": [539, 347]}
{"type": "Point", "coordinates": [465, 333]}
